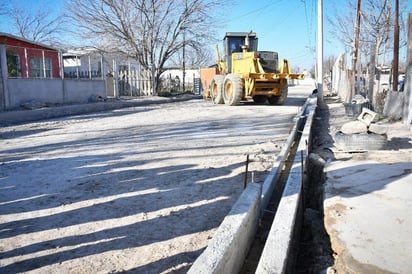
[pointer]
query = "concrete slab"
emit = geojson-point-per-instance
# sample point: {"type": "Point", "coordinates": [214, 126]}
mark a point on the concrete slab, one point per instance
{"type": "Point", "coordinates": [368, 210]}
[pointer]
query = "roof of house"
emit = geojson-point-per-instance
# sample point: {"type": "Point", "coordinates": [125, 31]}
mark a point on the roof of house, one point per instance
{"type": "Point", "coordinates": [79, 52]}
{"type": "Point", "coordinates": [26, 40]}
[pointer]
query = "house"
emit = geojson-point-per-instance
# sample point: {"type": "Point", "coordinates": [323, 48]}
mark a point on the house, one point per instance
{"type": "Point", "coordinates": [90, 63]}
{"type": "Point", "coordinates": [32, 72]}
{"type": "Point", "coordinates": [82, 63]}
{"type": "Point", "coordinates": [123, 74]}
{"type": "Point", "coordinates": [172, 79]}
{"type": "Point", "coordinates": [29, 59]}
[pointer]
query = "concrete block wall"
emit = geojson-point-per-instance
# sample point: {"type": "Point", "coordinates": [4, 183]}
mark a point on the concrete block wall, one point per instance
{"type": "Point", "coordinates": [54, 91]}
{"type": "Point", "coordinates": [79, 91]}
{"type": "Point", "coordinates": [42, 90]}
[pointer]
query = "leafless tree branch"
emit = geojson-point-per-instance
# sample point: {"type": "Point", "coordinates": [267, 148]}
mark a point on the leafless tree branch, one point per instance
{"type": "Point", "coordinates": [36, 24]}
{"type": "Point", "coordinates": [150, 31]}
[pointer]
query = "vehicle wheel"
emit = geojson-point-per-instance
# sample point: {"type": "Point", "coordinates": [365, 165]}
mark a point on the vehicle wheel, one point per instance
{"type": "Point", "coordinates": [232, 90]}
{"type": "Point", "coordinates": [260, 99]}
{"type": "Point", "coordinates": [216, 89]}
{"type": "Point", "coordinates": [360, 142]}
{"type": "Point", "coordinates": [280, 100]}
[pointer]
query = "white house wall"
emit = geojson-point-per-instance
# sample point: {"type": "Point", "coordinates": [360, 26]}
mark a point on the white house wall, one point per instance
{"type": "Point", "coordinates": [190, 73]}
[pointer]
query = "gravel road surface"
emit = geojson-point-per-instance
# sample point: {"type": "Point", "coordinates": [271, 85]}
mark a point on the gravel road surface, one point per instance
{"type": "Point", "coordinates": [138, 189]}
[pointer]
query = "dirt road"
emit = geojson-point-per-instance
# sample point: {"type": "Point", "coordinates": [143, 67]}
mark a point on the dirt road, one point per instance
{"type": "Point", "coordinates": [139, 189]}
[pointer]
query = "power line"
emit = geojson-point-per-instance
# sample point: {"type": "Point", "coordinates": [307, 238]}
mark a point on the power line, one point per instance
{"type": "Point", "coordinates": [309, 17]}
{"type": "Point", "coordinates": [260, 10]}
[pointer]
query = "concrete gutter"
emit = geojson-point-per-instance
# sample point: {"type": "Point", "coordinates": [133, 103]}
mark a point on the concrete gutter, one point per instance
{"type": "Point", "coordinates": [278, 254]}
{"type": "Point", "coordinates": [270, 185]}
{"type": "Point", "coordinates": [229, 247]}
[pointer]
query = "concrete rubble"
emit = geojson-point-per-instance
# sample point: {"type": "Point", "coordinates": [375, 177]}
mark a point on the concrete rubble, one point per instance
{"type": "Point", "coordinates": [354, 134]}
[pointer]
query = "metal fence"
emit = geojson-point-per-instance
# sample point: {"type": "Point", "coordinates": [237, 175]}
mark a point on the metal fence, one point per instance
{"type": "Point", "coordinates": [123, 76]}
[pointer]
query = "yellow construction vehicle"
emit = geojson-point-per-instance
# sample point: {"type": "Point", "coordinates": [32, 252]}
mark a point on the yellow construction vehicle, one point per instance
{"type": "Point", "coordinates": [246, 73]}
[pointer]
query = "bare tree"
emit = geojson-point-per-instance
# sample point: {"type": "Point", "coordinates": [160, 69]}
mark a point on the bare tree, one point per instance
{"type": "Point", "coordinates": [150, 31]}
{"type": "Point", "coordinates": [194, 57]}
{"type": "Point", "coordinates": [375, 32]}
{"type": "Point", "coordinates": [342, 21]}
{"type": "Point", "coordinates": [36, 24]}
{"type": "Point", "coordinates": [376, 25]}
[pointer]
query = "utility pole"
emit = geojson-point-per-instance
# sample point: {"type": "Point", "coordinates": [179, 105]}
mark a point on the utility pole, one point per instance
{"type": "Point", "coordinates": [184, 45]}
{"type": "Point", "coordinates": [319, 76]}
{"type": "Point", "coordinates": [184, 65]}
{"type": "Point", "coordinates": [355, 49]}
{"type": "Point", "coordinates": [395, 67]}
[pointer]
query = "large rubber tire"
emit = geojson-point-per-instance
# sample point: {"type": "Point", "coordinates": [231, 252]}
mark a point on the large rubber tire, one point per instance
{"type": "Point", "coordinates": [260, 99]}
{"type": "Point", "coordinates": [232, 89]}
{"type": "Point", "coordinates": [216, 89]}
{"type": "Point", "coordinates": [360, 142]}
{"type": "Point", "coordinates": [280, 100]}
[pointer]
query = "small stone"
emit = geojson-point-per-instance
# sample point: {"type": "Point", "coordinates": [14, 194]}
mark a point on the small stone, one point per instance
{"type": "Point", "coordinates": [33, 104]}
{"type": "Point", "coordinates": [378, 129]}
{"type": "Point", "coordinates": [354, 127]}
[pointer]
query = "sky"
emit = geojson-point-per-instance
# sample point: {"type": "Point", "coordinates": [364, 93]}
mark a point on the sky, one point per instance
{"type": "Point", "coordinates": [286, 26]}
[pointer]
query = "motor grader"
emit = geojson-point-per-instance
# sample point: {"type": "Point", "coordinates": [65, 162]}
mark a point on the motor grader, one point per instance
{"type": "Point", "coordinates": [246, 73]}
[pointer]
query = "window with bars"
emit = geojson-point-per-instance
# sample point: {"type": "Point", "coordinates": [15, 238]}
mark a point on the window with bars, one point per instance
{"type": "Point", "coordinates": [40, 69]}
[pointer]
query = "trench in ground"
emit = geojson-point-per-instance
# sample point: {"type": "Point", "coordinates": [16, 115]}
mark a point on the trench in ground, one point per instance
{"type": "Point", "coordinates": [265, 221]}
{"type": "Point", "coordinates": [313, 252]}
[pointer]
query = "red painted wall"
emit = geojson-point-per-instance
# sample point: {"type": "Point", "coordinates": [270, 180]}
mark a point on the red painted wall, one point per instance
{"type": "Point", "coordinates": [33, 50]}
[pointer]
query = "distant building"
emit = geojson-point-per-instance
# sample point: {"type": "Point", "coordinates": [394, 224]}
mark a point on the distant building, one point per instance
{"type": "Point", "coordinates": [91, 63]}
{"type": "Point", "coordinates": [29, 59]}
{"type": "Point", "coordinates": [82, 63]}
{"type": "Point", "coordinates": [172, 78]}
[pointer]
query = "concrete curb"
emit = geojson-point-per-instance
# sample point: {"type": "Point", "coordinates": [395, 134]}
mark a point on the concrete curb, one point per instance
{"type": "Point", "coordinates": [270, 185]}
{"type": "Point", "coordinates": [278, 254]}
{"type": "Point", "coordinates": [229, 247]}
{"type": "Point", "coordinates": [23, 116]}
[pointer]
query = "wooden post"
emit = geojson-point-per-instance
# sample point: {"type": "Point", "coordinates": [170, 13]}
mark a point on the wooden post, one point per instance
{"type": "Point", "coordinates": [319, 72]}
{"type": "Point", "coordinates": [407, 107]}
{"type": "Point", "coordinates": [355, 49]}
{"type": "Point", "coordinates": [395, 68]}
